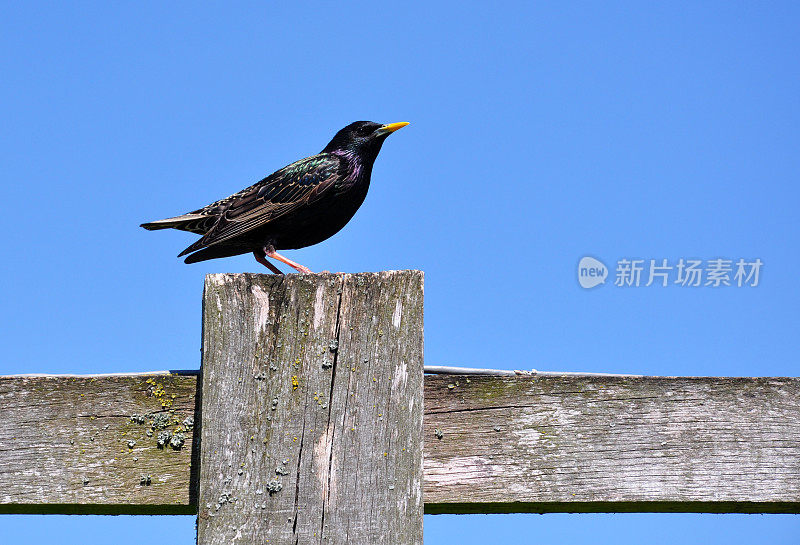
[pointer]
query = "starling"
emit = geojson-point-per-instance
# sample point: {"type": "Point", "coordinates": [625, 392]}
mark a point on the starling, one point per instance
{"type": "Point", "coordinates": [299, 205]}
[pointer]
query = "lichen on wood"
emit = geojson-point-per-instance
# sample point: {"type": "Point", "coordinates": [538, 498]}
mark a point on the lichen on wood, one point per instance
{"type": "Point", "coordinates": [80, 444]}
{"type": "Point", "coordinates": [300, 376]}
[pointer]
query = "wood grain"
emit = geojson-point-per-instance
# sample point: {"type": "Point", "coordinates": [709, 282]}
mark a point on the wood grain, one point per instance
{"type": "Point", "coordinates": [88, 444]}
{"type": "Point", "coordinates": [508, 445]}
{"type": "Point", "coordinates": [571, 444]}
{"type": "Point", "coordinates": [312, 409]}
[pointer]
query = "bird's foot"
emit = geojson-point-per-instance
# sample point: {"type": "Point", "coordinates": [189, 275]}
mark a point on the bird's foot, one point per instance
{"type": "Point", "coordinates": [269, 252]}
{"type": "Point", "coordinates": [260, 258]}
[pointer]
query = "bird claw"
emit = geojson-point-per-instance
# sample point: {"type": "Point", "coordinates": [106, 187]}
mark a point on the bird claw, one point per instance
{"type": "Point", "coordinates": [269, 251]}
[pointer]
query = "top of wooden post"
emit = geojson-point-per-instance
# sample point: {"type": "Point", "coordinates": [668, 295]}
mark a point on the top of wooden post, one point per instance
{"type": "Point", "coordinates": [312, 409]}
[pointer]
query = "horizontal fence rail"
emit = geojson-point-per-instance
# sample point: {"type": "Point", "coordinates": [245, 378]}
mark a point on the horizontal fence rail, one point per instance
{"type": "Point", "coordinates": [128, 444]}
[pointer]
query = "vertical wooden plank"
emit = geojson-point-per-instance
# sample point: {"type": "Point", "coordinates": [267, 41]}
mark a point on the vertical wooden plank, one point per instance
{"type": "Point", "coordinates": [312, 409]}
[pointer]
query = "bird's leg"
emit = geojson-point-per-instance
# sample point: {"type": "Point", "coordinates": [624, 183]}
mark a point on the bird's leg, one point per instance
{"type": "Point", "coordinates": [259, 255]}
{"type": "Point", "coordinates": [269, 251]}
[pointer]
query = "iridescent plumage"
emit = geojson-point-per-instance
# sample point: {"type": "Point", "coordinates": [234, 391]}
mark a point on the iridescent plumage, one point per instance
{"type": "Point", "coordinates": [299, 205]}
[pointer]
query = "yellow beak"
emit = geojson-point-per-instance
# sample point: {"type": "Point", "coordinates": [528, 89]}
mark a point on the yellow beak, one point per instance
{"type": "Point", "coordinates": [391, 127]}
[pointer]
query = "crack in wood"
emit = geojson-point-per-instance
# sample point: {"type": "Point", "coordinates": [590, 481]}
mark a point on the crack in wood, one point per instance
{"type": "Point", "coordinates": [328, 425]}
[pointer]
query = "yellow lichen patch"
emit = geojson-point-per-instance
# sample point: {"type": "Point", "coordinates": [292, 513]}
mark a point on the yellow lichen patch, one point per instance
{"type": "Point", "coordinates": [157, 390]}
{"type": "Point", "coordinates": [295, 382]}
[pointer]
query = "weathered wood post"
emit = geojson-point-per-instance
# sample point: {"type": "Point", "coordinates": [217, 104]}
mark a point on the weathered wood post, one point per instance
{"type": "Point", "coordinates": [312, 392]}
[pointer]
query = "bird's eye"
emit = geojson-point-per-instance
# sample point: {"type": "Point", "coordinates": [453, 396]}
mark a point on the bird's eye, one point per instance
{"type": "Point", "coordinates": [364, 130]}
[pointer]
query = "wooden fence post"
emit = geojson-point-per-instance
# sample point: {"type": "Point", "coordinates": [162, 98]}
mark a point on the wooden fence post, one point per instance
{"type": "Point", "coordinates": [311, 419]}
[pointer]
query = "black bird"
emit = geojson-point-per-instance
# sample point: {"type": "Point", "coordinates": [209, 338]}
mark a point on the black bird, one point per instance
{"type": "Point", "coordinates": [299, 205]}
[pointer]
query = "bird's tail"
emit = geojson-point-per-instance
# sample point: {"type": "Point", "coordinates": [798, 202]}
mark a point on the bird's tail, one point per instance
{"type": "Point", "coordinates": [195, 223]}
{"type": "Point", "coordinates": [156, 225]}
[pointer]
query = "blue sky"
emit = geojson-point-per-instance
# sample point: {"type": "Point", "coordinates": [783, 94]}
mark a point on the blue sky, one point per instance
{"type": "Point", "coordinates": [541, 133]}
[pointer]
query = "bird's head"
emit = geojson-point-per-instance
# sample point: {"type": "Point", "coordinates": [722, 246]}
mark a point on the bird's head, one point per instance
{"type": "Point", "coordinates": [362, 137]}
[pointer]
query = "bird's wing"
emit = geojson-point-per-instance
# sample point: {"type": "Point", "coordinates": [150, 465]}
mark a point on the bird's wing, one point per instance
{"type": "Point", "coordinates": [278, 194]}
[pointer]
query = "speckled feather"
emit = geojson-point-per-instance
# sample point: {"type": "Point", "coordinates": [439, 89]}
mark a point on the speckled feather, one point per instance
{"type": "Point", "coordinates": [297, 206]}
{"type": "Point", "coordinates": [293, 186]}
